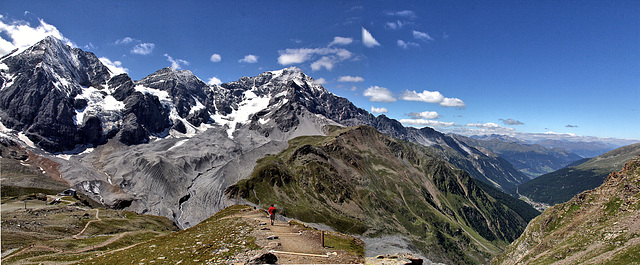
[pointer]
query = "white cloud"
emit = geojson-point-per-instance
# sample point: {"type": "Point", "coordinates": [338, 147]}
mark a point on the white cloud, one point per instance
{"type": "Point", "coordinates": [483, 129]}
{"type": "Point", "coordinates": [250, 58]}
{"type": "Point", "coordinates": [422, 36]}
{"type": "Point", "coordinates": [329, 56]}
{"type": "Point", "coordinates": [379, 110]}
{"type": "Point", "coordinates": [406, 45]}
{"type": "Point", "coordinates": [21, 35]}
{"type": "Point", "coordinates": [176, 64]}
{"type": "Point", "coordinates": [215, 58]}
{"type": "Point", "coordinates": [511, 122]}
{"type": "Point", "coordinates": [404, 13]}
{"type": "Point", "coordinates": [484, 125]}
{"type": "Point", "coordinates": [214, 81]}
{"type": "Point", "coordinates": [125, 40]}
{"type": "Point", "coordinates": [394, 25]}
{"type": "Point", "coordinates": [423, 122]}
{"type": "Point", "coordinates": [115, 67]}
{"type": "Point", "coordinates": [368, 40]}
{"type": "Point", "coordinates": [432, 97]}
{"type": "Point", "coordinates": [143, 48]}
{"type": "Point", "coordinates": [296, 56]}
{"type": "Point", "coordinates": [341, 41]}
{"type": "Point", "coordinates": [452, 102]}
{"type": "Point", "coordinates": [379, 94]}
{"type": "Point", "coordinates": [326, 61]}
{"type": "Point", "coordinates": [320, 81]}
{"type": "Point", "coordinates": [430, 115]}
{"type": "Point", "coordinates": [424, 96]}
{"type": "Point", "coordinates": [89, 46]}
{"type": "Point", "coordinates": [348, 78]}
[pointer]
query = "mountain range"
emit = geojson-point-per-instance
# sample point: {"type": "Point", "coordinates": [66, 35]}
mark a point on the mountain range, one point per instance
{"type": "Point", "coordinates": [173, 146]}
{"type": "Point", "coordinates": [561, 185]}
{"type": "Point", "coordinates": [65, 101]}
{"type": "Point", "coordinates": [531, 159]}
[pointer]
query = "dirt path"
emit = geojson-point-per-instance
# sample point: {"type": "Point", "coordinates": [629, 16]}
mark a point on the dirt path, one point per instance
{"type": "Point", "coordinates": [87, 225]}
{"type": "Point", "coordinates": [295, 245]}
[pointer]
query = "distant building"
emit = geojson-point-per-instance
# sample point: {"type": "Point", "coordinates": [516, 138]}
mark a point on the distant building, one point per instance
{"type": "Point", "coordinates": [68, 192]}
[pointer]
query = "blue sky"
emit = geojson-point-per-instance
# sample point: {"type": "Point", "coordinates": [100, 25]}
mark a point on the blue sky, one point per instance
{"type": "Point", "coordinates": [521, 68]}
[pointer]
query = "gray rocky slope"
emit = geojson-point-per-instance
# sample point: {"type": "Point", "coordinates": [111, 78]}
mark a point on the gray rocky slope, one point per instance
{"type": "Point", "coordinates": [169, 144]}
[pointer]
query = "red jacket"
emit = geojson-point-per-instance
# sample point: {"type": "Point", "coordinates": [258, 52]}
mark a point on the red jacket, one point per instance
{"type": "Point", "coordinates": [272, 210]}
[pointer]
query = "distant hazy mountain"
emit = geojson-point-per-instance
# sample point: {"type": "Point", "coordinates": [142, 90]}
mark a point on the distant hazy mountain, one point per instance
{"type": "Point", "coordinates": [598, 226]}
{"type": "Point", "coordinates": [531, 159]}
{"type": "Point", "coordinates": [561, 185]}
{"type": "Point", "coordinates": [584, 149]}
{"type": "Point", "coordinates": [358, 180]}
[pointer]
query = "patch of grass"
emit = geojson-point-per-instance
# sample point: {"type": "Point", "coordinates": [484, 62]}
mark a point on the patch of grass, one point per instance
{"type": "Point", "coordinates": [15, 191]}
{"type": "Point", "coordinates": [349, 244]}
{"type": "Point", "coordinates": [612, 206]}
{"type": "Point", "coordinates": [26, 255]}
{"type": "Point", "coordinates": [214, 240]}
{"type": "Point", "coordinates": [54, 226]}
{"type": "Point", "coordinates": [128, 240]}
{"type": "Point", "coordinates": [73, 244]}
{"type": "Point", "coordinates": [630, 255]}
{"type": "Point", "coordinates": [63, 257]}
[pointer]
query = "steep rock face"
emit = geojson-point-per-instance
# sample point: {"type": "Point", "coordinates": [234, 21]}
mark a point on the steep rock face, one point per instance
{"type": "Point", "coordinates": [183, 177]}
{"type": "Point", "coordinates": [61, 97]}
{"type": "Point", "coordinates": [191, 97]}
{"type": "Point", "coordinates": [358, 180]}
{"type": "Point", "coordinates": [611, 213]}
{"type": "Point", "coordinates": [38, 88]}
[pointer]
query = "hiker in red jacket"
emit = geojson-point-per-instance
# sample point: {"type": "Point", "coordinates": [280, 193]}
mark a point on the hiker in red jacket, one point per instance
{"type": "Point", "coordinates": [272, 213]}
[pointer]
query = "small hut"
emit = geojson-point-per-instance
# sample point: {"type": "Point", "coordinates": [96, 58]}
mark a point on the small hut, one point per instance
{"type": "Point", "coordinates": [68, 192]}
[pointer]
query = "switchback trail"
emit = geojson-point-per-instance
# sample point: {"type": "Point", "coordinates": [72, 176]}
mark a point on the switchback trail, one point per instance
{"type": "Point", "coordinates": [87, 225]}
